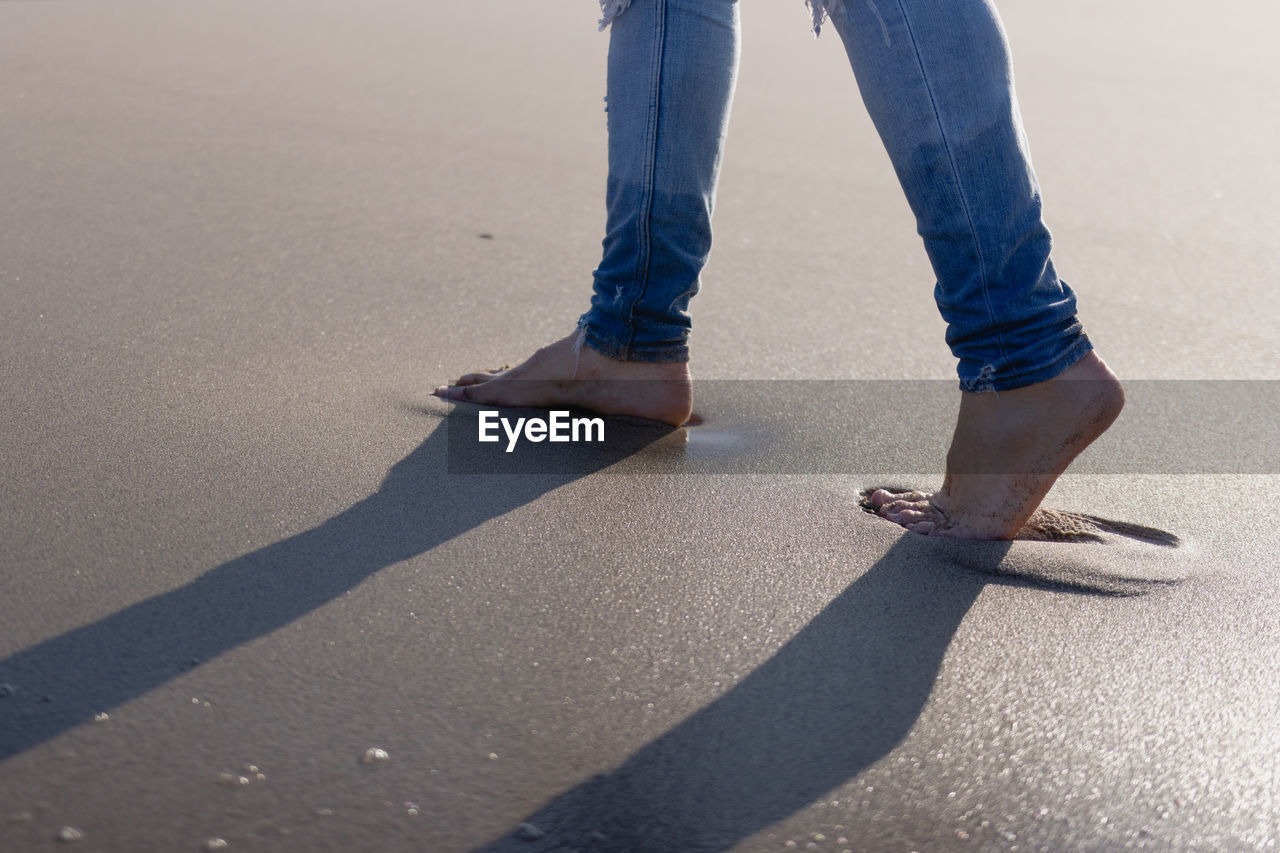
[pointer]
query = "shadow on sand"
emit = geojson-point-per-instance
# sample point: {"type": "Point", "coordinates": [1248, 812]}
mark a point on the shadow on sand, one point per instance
{"type": "Point", "coordinates": [64, 681]}
{"type": "Point", "coordinates": [835, 698]}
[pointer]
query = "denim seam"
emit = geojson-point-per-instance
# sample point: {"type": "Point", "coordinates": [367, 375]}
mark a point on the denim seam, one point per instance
{"type": "Point", "coordinates": [644, 228]}
{"type": "Point", "coordinates": [955, 172]}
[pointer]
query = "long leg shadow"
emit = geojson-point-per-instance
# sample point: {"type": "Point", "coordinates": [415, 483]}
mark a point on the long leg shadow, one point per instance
{"type": "Point", "coordinates": [837, 697]}
{"type": "Point", "coordinates": [64, 681]}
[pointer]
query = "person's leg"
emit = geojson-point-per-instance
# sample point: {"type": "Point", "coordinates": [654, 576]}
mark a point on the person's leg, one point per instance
{"type": "Point", "coordinates": [671, 73]}
{"type": "Point", "coordinates": [935, 76]}
{"type": "Point", "coordinates": [672, 69]}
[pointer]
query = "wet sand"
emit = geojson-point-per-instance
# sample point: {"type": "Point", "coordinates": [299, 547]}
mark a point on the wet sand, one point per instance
{"type": "Point", "coordinates": [239, 245]}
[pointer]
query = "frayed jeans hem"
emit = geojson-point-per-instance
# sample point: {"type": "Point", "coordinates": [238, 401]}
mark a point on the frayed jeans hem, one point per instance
{"type": "Point", "coordinates": [985, 381]}
{"type": "Point", "coordinates": [664, 354]}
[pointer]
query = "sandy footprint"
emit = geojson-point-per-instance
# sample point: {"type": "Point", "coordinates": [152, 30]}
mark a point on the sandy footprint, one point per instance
{"type": "Point", "coordinates": [1064, 550]}
{"type": "Point", "coordinates": [1050, 525]}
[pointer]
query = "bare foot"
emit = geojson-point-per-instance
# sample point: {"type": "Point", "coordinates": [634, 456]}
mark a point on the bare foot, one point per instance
{"type": "Point", "coordinates": [1007, 452]}
{"type": "Point", "coordinates": [556, 375]}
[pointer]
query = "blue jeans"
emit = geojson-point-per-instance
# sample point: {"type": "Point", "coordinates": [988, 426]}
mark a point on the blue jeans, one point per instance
{"type": "Point", "coordinates": [936, 79]}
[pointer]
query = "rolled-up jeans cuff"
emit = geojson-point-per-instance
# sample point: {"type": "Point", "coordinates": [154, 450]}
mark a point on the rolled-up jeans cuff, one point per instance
{"type": "Point", "coordinates": [990, 379]}
{"type": "Point", "coordinates": [619, 351]}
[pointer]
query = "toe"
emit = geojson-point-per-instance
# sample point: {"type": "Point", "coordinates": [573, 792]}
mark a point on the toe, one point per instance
{"type": "Point", "coordinates": [901, 506]}
{"type": "Point", "coordinates": [910, 516]}
{"type": "Point", "coordinates": [890, 510]}
{"type": "Point", "coordinates": [924, 528]}
{"type": "Point", "coordinates": [475, 378]}
{"type": "Point", "coordinates": [881, 497]}
{"type": "Point", "coordinates": [894, 508]}
{"type": "Point", "coordinates": [452, 392]}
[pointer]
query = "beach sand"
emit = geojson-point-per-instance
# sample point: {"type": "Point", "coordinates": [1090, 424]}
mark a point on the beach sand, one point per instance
{"type": "Point", "coordinates": [240, 243]}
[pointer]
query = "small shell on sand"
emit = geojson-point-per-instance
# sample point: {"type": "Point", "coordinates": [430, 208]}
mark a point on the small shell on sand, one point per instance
{"type": "Point", "coordinates": [374, 755]}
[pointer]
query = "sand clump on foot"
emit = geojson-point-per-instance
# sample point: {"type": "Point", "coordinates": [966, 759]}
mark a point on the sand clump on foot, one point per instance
{"type": "Point", "coordinates": [567, 373]}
